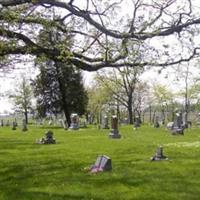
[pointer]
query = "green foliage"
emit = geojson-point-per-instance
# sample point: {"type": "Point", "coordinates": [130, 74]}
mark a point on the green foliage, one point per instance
{"type": "Point", "coordinates": [98, 97]}
{"type": "Point", "coordinates": [22, 97]}
{"type": "Point", "coordinates": [162, 94]}
{"type": "Point", "coordinates": [58, 87]}
{"type": "Point", "coordinates": [32, 171]}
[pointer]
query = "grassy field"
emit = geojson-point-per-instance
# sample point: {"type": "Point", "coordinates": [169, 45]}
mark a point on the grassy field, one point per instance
{"type": "Point", "coordinates": [40, 172]}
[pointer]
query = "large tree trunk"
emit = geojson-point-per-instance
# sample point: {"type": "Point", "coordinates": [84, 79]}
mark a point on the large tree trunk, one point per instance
{"type": "Point", "coordinates": [26, 116]}
{"type": "Point", "coordinates": [63, 95]}
{"type": "Point", "coordinates": [130, 111]}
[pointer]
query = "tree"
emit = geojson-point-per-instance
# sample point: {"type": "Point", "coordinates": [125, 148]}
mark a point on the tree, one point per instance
{"type": "Point", "coordinates": [100, 99]}
{"type": "Point", "coordinates": [22, 98]}
{"type": "Point", "coordinates": [188, 81]}
{"type": "Point", "coordinates": [103, 31]}
{"type": "Point", "coordinates": [163, 97]}
{"type": "Point", "coordinates": [122, 83]}
{"type": "Point", "coordinates": [59, 87]}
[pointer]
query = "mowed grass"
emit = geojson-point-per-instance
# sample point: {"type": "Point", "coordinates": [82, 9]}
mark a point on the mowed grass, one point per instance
{"type": "Point", "coordinates": [32, 171]}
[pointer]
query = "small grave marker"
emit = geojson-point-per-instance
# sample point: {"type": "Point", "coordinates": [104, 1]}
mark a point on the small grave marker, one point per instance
{"type": "Point", "coordinates": [47, 139]}
{"type": "Point", "coordinates": [103, 163]}
{"type": "Point", "coordinates": [159, 155]}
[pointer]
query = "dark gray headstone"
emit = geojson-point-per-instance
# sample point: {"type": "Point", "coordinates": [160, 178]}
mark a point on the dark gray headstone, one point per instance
{"type": "Point", "coordinates": [114, 133]}
{"type": "Point", "coordinates": [178, 127]}
{"type": "Point", "coordinates": [159, 154]}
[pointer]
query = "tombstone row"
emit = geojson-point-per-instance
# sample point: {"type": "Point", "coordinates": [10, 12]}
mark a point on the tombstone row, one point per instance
{"type": "Point", "coordinates": [104, 163]}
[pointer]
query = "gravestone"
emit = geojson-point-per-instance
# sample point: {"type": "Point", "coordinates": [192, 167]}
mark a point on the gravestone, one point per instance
{"type": "Point", "coordinates": [158, 155]}
{"type": "Point", "coordinates": [105, 123]}
{"type": "Point", "coordinates": [156, 122]}
{"type": "Point", "coordinates": [178, 127]}
{"type": "Point", "coordinates": [136, 123]}
{"type": "Point", "coordinates": [47, 139]}
{"type": "Point", "coordinates": [103, 163]}
{"type": "Point", "coordinates": [2, 124]}
{"type": "Point", "coordinates": [114, 133]}
{"type": "Point", "coordinates": [24, 125]}
{"type": "Point", "coordinates": [74, 121]}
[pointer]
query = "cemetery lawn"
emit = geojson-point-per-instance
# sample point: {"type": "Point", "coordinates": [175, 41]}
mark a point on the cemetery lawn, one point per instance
{"type": "Point", "coordinates": [55, 172]}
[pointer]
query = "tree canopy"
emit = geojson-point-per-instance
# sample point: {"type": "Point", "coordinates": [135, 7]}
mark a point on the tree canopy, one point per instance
{"type": "Point", "coordinates": [112, 33]}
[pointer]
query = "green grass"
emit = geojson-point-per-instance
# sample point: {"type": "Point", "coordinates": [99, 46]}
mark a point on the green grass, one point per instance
{"type": "Point", "coordinates": [40, 172]}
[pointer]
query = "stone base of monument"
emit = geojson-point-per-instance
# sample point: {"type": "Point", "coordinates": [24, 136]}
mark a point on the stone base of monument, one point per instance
{"type": "Point", "coordinates": [103, 163]}
{"type": "Point", "coordinates": [114, 134]}
{"type": "Point", "coordinates": [159, 155]}
{"type": "Point", "coordinates": [48, 139]}
{"type": "Point", "coordinates": [74, 126]}
{"type": "Point", "coordinates": [177, 131]}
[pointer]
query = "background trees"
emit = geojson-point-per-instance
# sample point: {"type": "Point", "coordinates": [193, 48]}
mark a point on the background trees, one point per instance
{"type": "Point", "coordinates": [22, 98]}
{"type": "Point", "coordinates": [122, 83]}
{"type": "Point", "coordinates": [59, 87]}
